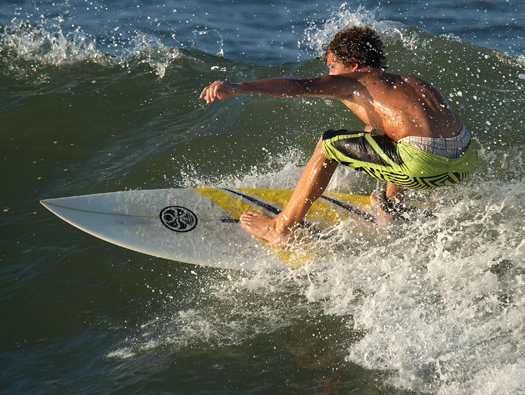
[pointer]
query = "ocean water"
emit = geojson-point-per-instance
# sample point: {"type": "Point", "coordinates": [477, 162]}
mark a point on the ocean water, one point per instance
{"type": "Point", "coordinates": [99, 96]}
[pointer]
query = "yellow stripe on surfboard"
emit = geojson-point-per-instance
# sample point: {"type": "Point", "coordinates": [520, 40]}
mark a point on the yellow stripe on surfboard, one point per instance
{"type": "Point", "coordinates": [324, 213]}
{"type": "Point", "coordinates": [232, 205]}
{"type": "Point", "coordinates": [320, 209]}
{"type": "Point", "coordinates": [235, 207]}
{"type": "Point", "coordinates": [332, 209]}
{"type": "Point", "coordinates": [281, 198]}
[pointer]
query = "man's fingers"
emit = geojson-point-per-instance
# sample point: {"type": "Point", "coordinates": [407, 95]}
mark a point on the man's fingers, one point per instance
{"type": "Point", "coordinates": [212, 92]}
{"type": "Point", "coordinates": [209, 93]}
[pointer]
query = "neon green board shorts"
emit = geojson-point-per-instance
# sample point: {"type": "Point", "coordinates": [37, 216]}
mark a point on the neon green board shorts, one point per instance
{"type": "Point", "coordinates": [400, 163]}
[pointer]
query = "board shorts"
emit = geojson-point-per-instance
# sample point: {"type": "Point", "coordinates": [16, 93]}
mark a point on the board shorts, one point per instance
{"type": "Point", "coordinates": [400, 163]}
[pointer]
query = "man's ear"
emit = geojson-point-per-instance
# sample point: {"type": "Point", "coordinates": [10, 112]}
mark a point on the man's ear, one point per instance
{"type": "Point", "coordinates": [354, 67]}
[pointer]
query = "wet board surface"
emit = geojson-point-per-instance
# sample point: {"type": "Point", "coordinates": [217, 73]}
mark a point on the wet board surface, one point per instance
{"type": "Point", "coordinates": [201, 225]}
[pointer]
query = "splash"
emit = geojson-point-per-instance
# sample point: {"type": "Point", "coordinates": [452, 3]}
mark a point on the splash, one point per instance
{"type": "Point", "coordinates": [449, 307]}
{"type": "Point", "coordinates": [27, 47]}
{"type": "Point", "coordinates": [435, 304]}
{"type": "Point", "coordinates": [285, 175]}
{"type": "Point", "coordinates": [47, 44]}
{"type": "Point", "coordinates": [148, 50]}
{"type": "Point", "coordinates": [210, 41]}
{"type": "Point", "coordinates": [316, 35]}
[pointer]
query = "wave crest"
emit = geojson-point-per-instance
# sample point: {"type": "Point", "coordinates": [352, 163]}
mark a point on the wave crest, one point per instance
{"type": "Point", "coordinates": [27, 46]}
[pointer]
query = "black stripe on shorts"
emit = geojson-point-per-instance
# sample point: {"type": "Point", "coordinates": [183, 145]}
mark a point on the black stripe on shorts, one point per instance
{"type": "Point", "coordinates": [357, 147]}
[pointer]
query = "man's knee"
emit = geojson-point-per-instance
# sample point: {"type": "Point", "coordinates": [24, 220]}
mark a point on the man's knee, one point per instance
{"type": "Point", "coordinates": [319, 147]}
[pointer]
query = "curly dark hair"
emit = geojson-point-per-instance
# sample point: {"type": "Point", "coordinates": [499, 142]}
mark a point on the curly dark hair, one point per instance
{"type": "Point", "coordinates": [357, 44]}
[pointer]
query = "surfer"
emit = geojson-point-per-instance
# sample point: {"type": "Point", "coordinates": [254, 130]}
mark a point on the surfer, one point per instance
{"type": "Point", "coordinates": [412, 138]}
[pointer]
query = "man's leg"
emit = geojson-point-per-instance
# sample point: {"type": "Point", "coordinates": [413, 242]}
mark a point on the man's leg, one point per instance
{"type": "Point", "coordinates": [394, 193]}
{"type": "Point", "coordinates": [311, 185]}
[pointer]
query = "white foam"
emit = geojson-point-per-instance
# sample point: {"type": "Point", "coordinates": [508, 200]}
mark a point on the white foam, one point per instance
{"type": "Point", "coordinates": [46, 44]}
{"type": "Point", "coordinates": [316, 35]}
{"type": "Point", "coordinates": [439, 303]}
{"type": "Point", "coordinates": [122, 353]}
{"type": "Point", "coordinates": [286, 170]}
{"type": "Point", "coordinates": [149, 50]}
{"type": "Point", "coordinates": [446, 301]}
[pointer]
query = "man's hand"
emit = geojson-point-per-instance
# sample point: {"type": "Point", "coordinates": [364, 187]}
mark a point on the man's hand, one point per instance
{"type": "Point", "coordinates": [219, 90]}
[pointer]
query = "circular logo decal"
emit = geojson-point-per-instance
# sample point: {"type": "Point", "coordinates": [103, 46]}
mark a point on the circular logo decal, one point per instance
{"type": "Point", "coordinates": [178, 218]}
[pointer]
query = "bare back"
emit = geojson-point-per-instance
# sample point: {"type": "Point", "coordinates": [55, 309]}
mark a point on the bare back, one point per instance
{"type": "Point", "coordinates": [400, 105]}
{"type": "Point", "coordinates": [396, 105]}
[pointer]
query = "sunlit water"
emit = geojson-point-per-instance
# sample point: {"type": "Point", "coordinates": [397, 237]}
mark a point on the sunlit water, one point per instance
{"type": "Point", "coordinates": [103, 97]}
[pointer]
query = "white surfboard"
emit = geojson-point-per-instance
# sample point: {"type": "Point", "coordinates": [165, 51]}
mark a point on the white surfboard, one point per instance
{"type": "Point", "coordinates": [200, 225]}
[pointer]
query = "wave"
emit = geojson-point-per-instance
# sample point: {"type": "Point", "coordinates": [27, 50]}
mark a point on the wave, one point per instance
{"type": "Point", "coordinates": [29, 50]}
{"type": "Point", "coordinates": [437, 306]}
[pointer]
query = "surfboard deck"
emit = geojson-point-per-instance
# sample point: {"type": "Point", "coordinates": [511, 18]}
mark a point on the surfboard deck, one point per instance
{"type": "Point", "coordinates": [201, 225]}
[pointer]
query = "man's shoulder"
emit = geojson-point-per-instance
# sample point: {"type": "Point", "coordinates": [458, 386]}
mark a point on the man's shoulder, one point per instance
{"type": "Point", "coordinates": [379, 75]}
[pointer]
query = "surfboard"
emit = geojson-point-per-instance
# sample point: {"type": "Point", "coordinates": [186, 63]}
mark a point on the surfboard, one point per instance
{"type": "Point", "coordinates": [201, 225]}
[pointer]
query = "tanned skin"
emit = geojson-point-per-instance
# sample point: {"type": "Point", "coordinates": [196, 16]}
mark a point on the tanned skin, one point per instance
{"type": "Point", "coordinates": [395, 105]}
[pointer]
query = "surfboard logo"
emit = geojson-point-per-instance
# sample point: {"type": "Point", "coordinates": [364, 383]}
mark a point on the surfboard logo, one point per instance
{"type": "Point", "coordinates": [178, 219]}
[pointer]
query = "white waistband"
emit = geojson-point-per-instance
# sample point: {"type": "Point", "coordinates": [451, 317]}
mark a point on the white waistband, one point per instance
{"type": "Point", "coordinates": [451, 147]}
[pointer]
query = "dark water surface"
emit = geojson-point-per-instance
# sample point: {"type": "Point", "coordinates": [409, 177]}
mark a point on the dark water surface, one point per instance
{"type": "Point", "coordinates": [103, 96]}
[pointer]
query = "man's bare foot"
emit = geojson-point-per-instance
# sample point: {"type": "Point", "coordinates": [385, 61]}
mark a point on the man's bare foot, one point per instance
{"type": "Point", "coordinates": [265, 228]}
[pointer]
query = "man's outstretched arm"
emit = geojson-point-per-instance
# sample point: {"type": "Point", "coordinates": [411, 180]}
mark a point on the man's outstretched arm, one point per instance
{"type": "Point", "coordinates": [332, 87]}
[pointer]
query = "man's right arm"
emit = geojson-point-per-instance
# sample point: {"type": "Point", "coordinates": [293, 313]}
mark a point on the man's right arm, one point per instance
{"type": "Point", "coordinates": [330, 87]}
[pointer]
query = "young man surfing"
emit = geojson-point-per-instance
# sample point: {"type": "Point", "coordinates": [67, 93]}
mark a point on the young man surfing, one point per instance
{"type": "Point", "coordinates": [412, 138]}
